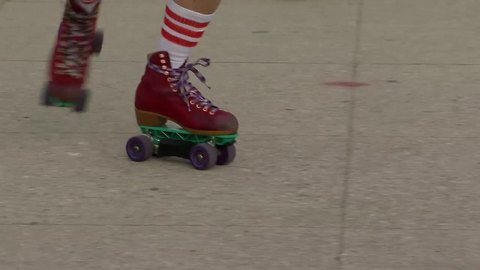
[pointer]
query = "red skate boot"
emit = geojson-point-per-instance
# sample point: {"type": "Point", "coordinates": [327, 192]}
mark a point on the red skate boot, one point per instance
{"type": "Point", "coordinates": [166, 94]}
{"type": "Point", "coordinates": [77, 40]}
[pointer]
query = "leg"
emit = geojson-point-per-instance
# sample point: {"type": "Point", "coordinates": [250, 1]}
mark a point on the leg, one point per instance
{"type": "Point", "coordinates": [76, 42]}
{"type": "Point", "coordinates": [164, 91]}
{"type": "Point", "coordinates": [201, 6]}
{"type": "Point", "coordinates": [184, 23]}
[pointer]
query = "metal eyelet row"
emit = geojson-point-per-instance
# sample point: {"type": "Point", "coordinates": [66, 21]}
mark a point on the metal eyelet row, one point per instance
{"type": "Point", "coordinates": [164, 64]}
{"type": "Point", "coordinates": [165, 72]}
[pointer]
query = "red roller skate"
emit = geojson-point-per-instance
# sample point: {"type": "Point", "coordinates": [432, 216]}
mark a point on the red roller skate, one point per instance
{"type": "Point", "coordinates": [207, 134]}
{"type": "Point", "coordinates": [77, 40]}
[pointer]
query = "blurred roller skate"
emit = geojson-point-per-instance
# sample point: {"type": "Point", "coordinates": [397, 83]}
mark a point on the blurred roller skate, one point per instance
{"type": "Point", "coordinates": [77, 41]}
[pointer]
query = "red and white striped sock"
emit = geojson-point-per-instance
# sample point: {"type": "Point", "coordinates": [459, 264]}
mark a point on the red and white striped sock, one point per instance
{"type": "Point", "coordinates": [181, 31]}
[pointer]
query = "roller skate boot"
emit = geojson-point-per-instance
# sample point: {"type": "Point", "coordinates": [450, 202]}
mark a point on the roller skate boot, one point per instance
{"type": "Point", "coordinates": [207, 133]}
{"type": "Point", "coordinates": [77, 41]}
{"type": "Point", "coordinates": [166, 94]}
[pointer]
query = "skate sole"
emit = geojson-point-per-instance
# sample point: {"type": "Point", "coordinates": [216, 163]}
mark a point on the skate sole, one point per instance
{"type": "Point", "coordinates": [79, 105]}
{"type": "Point", "coordinates": [150, 119]}
{"type": "Point", "coordinates": [55, 102]}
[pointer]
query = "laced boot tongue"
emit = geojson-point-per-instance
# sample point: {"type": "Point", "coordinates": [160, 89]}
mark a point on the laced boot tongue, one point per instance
{"type": "Point", "coordinates": [180, 79]}
{"type": "Point", "coordinates": [194, 97]}
{"type": "Point", "coordinates": [191, 95]}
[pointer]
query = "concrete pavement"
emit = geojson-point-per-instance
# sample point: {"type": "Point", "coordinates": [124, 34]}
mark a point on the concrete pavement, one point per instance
{"type": "Point", "coordinates": [384, 176]}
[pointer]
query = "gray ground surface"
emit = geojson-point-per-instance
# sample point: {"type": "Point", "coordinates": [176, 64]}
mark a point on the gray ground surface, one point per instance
{"type": "Point", "coordinates": [384, 176]}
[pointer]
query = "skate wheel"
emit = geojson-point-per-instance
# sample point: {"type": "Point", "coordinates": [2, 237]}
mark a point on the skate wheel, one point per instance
{"type": "Point", "coordinates": [81, 102]}
{"type": "Point", "coordinates": [203, 156]}
{"type": "Point", "coordinates": [227, 154]}
{"type": "Point", "coordinates": [97, 42]}
{"type": "Point", "coordinates": [45, 99]}
{"type": "Point", "coordinates": [139, 148]}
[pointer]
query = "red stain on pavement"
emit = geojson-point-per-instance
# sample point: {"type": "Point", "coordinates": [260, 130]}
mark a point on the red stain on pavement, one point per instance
{"type": "Point", "coordinates": [351, 84]}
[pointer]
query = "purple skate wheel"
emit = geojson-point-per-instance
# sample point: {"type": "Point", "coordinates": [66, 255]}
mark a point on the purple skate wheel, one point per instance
{"type": "Point", "coordinates": [139, 148]}
{"type": "Point", "coordinates": [227, 154]}
{"type": "Point", "coordinates": [203, 156]}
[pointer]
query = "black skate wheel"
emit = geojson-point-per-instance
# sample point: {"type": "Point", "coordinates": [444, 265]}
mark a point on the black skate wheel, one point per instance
{"type": "Point", "coordinates": [45, 99]}
{"type": "Point", "coordinates": [203, 156]}
{"type": "Point", "coordinates": [139, 148]}
{"type": "Point", "coordinates": [97, 43]}
{"type": "Point", "coordinates": [227, 154]}
{"type": "Point", "coordinates": [81, 102]}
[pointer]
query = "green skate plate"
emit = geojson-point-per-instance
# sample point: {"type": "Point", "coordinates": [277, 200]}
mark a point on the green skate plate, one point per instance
{"type": "Point", "coordinates": [60, 103]}
{"type": "Point", "coordinates": [176, 133]}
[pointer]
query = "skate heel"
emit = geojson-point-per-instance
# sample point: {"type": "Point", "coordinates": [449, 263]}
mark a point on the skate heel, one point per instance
{"type": "Point", "coordinates": [149, 119]}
